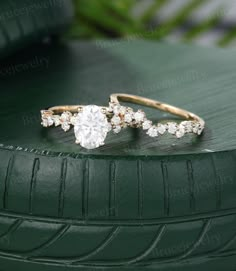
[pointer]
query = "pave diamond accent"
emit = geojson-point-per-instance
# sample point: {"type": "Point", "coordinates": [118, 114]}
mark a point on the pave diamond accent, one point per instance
{"type": "Point", "coordinates": [172, 127]}
{"type": "Point", "coordinates": [65, 117]}
{"type": "Point", "coordinates": [128, 118]}
{"type": "Point", "coordinates": [65, 121]}
{"type": "Point", "coordinates": [57, 120]}
{"type": "Point", "coordinates": [47, 121]}
{"type": "Point", "coordinates": [181, 131]}
{"type": "Point", "coordinates": [152, 132]}
{"type": "Point", "coordinates": [188, 126]}
{"type": "Point", "coordinates": [122, 110]}
{"type": "Point", "coordinates": [117, 129]}
{"type": "Point", "coordinates": [198, 128]}
{"type": "Point", "coordinates": [147, 124]}
{"type": "Point", "coordinates": [91, 127]}
{"type": "Point", "coordinates": [161, 128]}
{"type": "Point", "coordinates": [201, 128]}
{"type": "Point", "coordinates": [116, 120]}
{"type": "Point", "coordinates": [116, 109]}
{"type": "Point", "coordinates": [65, 126]}
{"type": "Point", "coordinates": [47, 118]}
{"type": "Point", "coordinates": [139, 116]}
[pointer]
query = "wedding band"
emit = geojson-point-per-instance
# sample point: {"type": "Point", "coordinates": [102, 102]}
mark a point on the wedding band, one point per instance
{"type": "Point", "coordinates": [92, 123]}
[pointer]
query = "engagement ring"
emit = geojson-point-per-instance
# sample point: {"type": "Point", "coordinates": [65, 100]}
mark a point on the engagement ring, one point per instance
{"type": "Point", "coordinates": [92, 123]}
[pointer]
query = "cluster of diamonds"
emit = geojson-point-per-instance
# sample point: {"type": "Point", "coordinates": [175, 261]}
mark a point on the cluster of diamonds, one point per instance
{"type": "Point", "coordinates": [65, 120]}
{"type": "Point", "coordinates": [127, 117]}
{"type": "Point", "coordinates": [121, 117]}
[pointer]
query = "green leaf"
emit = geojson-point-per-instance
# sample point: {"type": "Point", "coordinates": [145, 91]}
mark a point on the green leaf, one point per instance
{"type": "Point", "coordinates": [228, 38]}
{"type": "Point", "coordinates": [203, 27]}
{"type": "Point", "coordinates": [153, 10]}
{"type": "Point", "coordinates": [110, 18]}
{"type": "Point", "coordinates": [165, 28]}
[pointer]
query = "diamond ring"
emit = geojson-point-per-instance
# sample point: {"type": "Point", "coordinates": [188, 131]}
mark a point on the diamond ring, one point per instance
{"type": "Point", "coordinates": [92, 123]}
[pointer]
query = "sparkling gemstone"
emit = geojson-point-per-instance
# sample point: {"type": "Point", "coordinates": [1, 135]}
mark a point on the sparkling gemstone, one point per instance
{"type": "Point", "coordinates": [116, 120]}
{"type": "Point", "coordinates": [91, 127]}
{"type": "Point", "coordinates": [152, 132]}
{"type": "Point", "coordinates": [128, 117]}
{"type": "Point", "coordinates": [65, 121]}
{"type": "Point", "coordinates": [47, 121]}
{"type": "Point", "coordinates": [65, 126]}
{"type": "Point", "coordinates": [65, 117]}
{"type": "Point", "coordinates": [161, 128]}
{"type": "Point", "coordinates": [196, 128]}
{"type": "Point", "coordinates": [147, 124]}
{"type": "Point", "coordinates": [116, 109]}
{"type": "Point", "coordinates": [117, 129]}
{"type": "Point", "coordinates": [44, 123]}
{"type": "Point", "coordinates": [139, 116]}
{"type": "Point", "coordinates": [57, 120]}
{"type": "Point", "coordinates": [181, 131]}
{"type": "Point", "coordinates": [188, 126]}
{"type": "Point", "coordinates": [172, 128]}
{"type": "Point", "coordinates": [201, 128]}
{"type": "Point", "coordinates": [122, 110]}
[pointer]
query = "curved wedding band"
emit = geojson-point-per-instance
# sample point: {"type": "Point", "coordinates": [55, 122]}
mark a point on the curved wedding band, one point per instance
{"type": "Point", "coordinates": [92, 123]}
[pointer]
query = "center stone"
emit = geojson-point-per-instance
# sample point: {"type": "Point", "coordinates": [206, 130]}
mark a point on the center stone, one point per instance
{"type": "Point", "coordinates": [91, 127]}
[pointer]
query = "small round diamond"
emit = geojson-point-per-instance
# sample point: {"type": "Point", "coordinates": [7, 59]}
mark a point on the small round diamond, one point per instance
{"type": "Point", "coordinates": [139, 116]}
{"type": "Point", "coordinates": [147, 124]}
{"type": "Point", "coordinates": [65, 117]}
{"type": "Point", "coordinates": [117, 109]}
{"type": "Point", "coordinates": [122, 110]}
{"type": "Point", "coordinates": [196, 128]}
{"type": "Point", "coordinates": [65, 121]}
{"type": "Point", "coordinates": [152, 132]}
{"type": "Point", "coordinates": [57, 120]}
{"type": "Point", "coordinates": [161, 128]}
{"type": "Point", "coordinates": [128, 117]}
{"type": "Point", "coordinates": [65, 126]}
{"type": "Point", "coordinates": [117, 129]}
{"type": "Point", "coordinates": [44, 123]}
{"type": "Point", "coordinates": [188, 126]}
{"type": "Point", "coordinates": [47, 121]}
{"type": "Point", "coordinates": [200, 130]}
{"type": "Point", "coordinates": [116, 120]}
{"type": "Point", "coordinates": [172, 128]}
{"type": "Point", "coordinates": [181, 131]}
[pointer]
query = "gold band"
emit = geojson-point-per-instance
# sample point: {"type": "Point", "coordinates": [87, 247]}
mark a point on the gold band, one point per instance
{"type": "Point", "coordinates": [121, 97]}
{"type": "Point", "coordinates": [69, 108]}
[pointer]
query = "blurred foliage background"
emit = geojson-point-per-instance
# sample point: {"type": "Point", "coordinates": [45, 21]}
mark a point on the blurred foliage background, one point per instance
{"type": "Point", "coordinates": [200, 21]}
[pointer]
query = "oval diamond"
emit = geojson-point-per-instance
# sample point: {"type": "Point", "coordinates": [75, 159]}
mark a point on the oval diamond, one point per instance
{"type": "Point", "coordinates": [91, 127]}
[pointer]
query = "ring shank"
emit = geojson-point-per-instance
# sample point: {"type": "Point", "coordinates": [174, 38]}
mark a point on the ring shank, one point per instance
{"type": "Point", "coordinates": [71, 108]}
{"type": "Point", "coordinates": [121, 97]}
{"type": "Point", "coordinates": [64, 108]}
